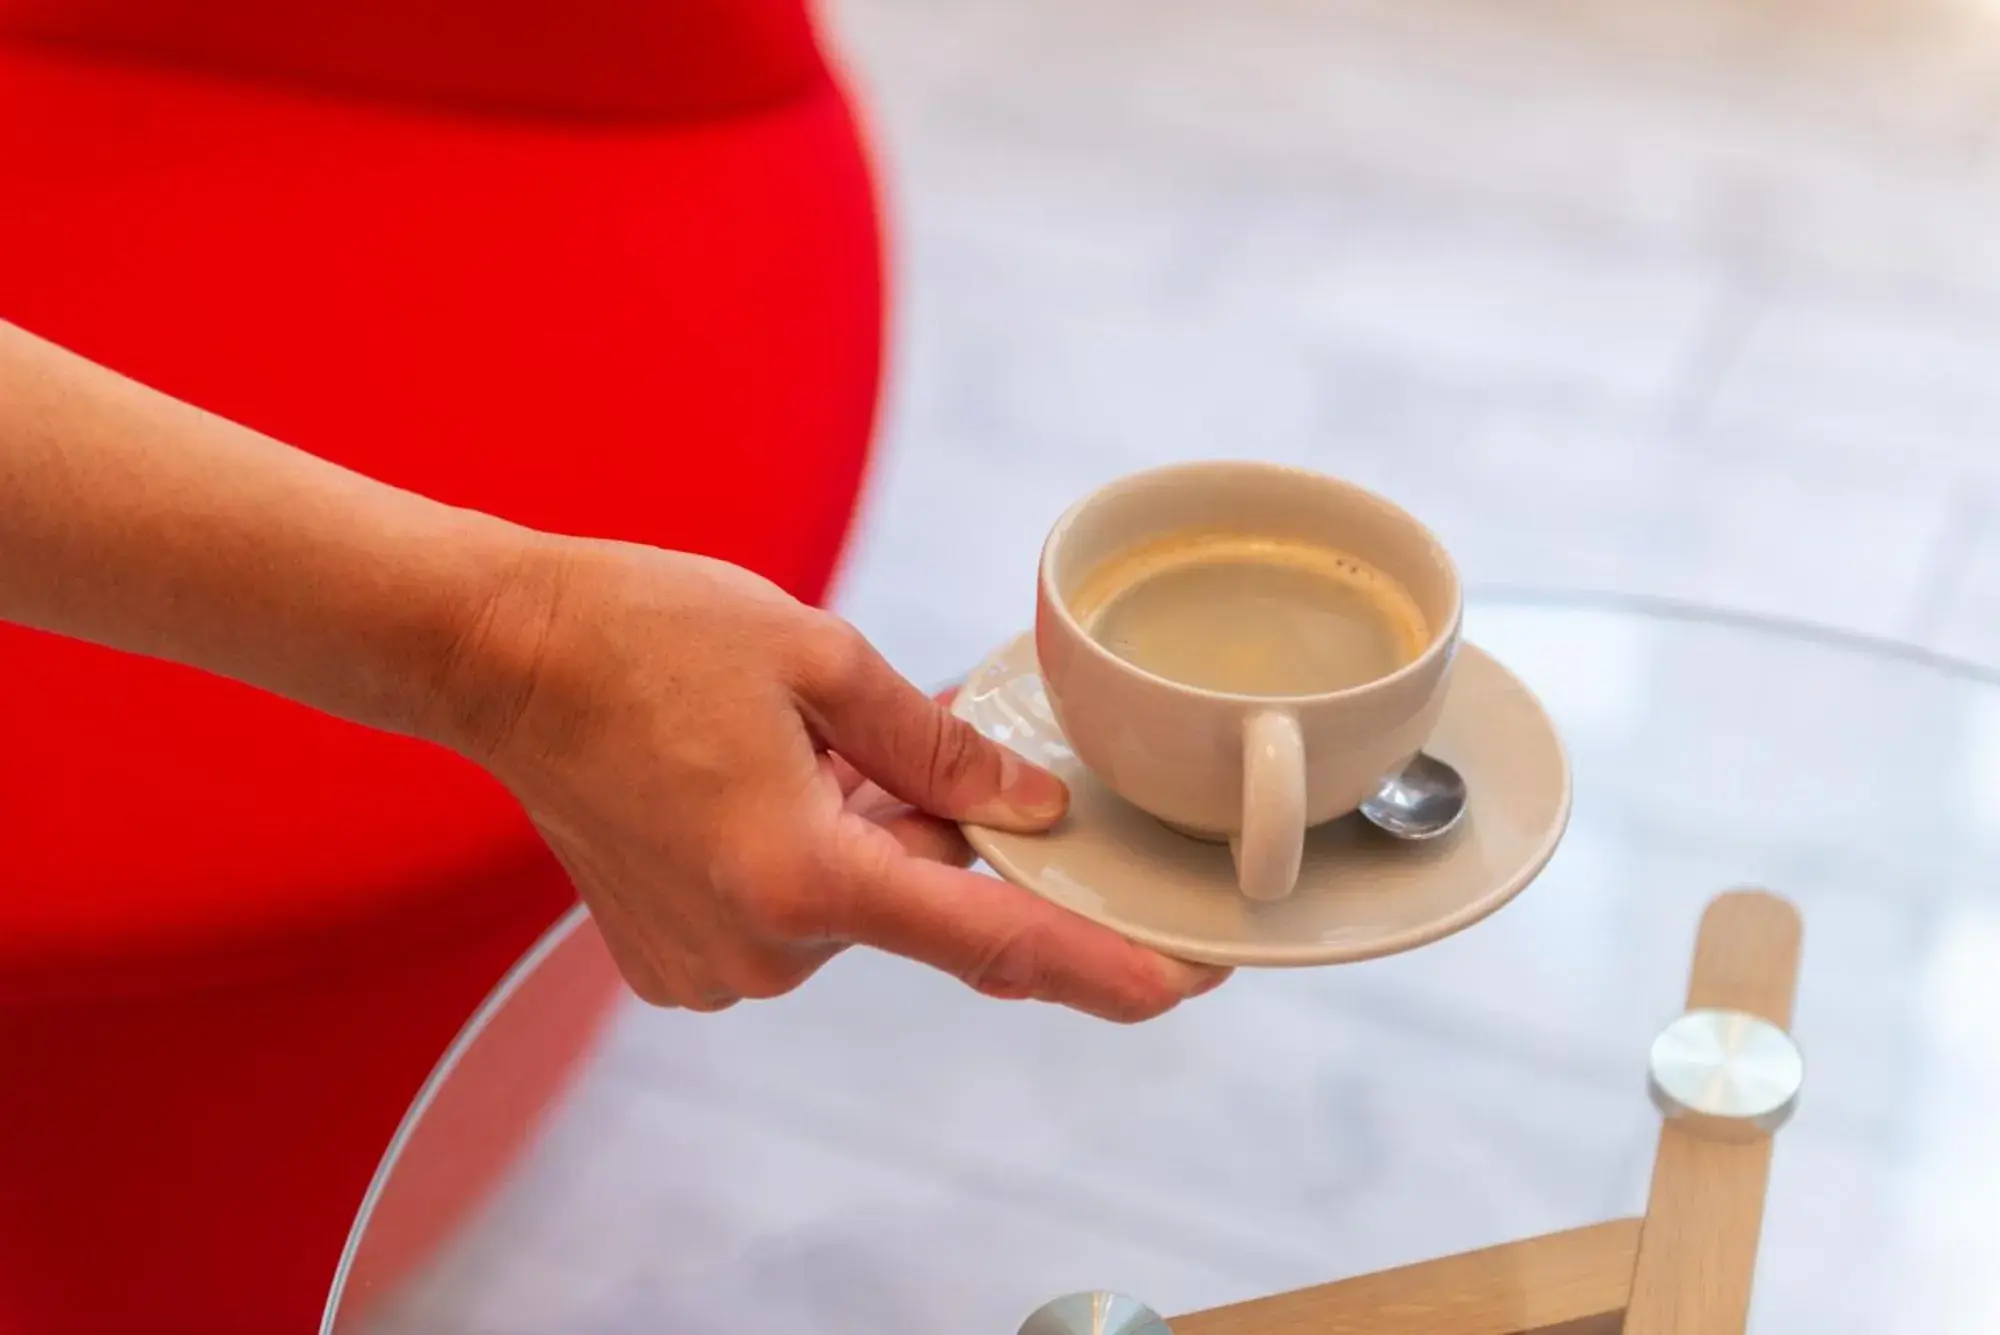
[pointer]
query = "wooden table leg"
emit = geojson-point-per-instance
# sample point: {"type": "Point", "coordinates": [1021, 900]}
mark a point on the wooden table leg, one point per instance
{"type": "Point", "coordinates": [1571, 1283]}
{"type": "Point", "coordinates": [1684, 1270]}
{"type": "Point", "coordinates": [1698, 1245]}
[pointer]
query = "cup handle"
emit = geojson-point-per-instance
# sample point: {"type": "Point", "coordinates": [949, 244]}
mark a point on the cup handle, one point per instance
{"type": "Point", "coordinates": [1272, 844]}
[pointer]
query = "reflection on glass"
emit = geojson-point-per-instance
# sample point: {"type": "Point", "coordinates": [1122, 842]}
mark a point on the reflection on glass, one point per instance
{"type": "Point", "coordinates": [1591, 671]}
{"type": "Point", "coordinates": [888, 1151]}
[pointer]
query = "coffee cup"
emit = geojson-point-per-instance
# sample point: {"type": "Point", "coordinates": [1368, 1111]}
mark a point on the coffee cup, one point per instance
{"type": "Point", "coordinates": [1245, 650]}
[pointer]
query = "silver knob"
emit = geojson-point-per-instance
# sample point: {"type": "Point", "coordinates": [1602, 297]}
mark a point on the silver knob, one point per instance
{"type": "Point", "coordinates": [1726, 1075]}
{"type": "Point", "coordinates": [1095, 1313]}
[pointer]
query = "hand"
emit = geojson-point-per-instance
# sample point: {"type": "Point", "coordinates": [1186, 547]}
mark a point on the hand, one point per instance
{"type": "Point", "coordinates": [697, 747]}
{"type": "Point", "coordinates": [741, 787]}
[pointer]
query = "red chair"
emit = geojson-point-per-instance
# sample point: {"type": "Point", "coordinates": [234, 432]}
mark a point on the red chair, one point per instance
{"type": "Point", "coordinates": [602, 266]}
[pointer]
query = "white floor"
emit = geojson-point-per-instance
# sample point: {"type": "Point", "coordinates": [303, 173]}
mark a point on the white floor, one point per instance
{"type": "Point", "coordinates": [1691, 297]}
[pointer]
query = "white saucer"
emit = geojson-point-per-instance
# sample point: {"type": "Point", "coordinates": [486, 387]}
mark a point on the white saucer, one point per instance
{"type": "Point", "coordinates": [1361, 894]}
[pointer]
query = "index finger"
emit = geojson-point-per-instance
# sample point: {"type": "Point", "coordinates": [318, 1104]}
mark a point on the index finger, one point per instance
{"type": "Point", "coordinates": [1007, 942]}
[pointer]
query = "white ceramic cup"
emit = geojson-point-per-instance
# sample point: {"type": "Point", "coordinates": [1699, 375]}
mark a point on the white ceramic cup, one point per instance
{"type": "Point", "coordinates": [1256, 771]}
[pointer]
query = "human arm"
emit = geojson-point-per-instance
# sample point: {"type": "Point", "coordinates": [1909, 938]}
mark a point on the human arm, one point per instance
{"type": "Point", "coordinates": [696, 746]}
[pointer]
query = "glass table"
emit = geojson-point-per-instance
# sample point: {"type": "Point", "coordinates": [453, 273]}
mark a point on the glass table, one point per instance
{"type": "Point", "coordinates": [884, 1152]}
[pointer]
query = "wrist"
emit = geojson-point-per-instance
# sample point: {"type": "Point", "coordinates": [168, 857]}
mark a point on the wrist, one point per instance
{"type": "Point", "coordinates": [487, 648]}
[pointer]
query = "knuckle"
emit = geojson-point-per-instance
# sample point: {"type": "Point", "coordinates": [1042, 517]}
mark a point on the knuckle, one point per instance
{"type": "Point", "coordinates": [793, 904]}
{"type": "Point", "coordinates": [954, 752]}
{"type": "Point", "coordinates": [837, 657]}
{"type": "Point", "coordinates": [825, 898]}
{"type": "Point", "coordinates": [1027, 965]}
{"type": "Point", "coordinates": [756, 877]}
{"type": "Point", "coordinates": [1014, 969]}
{"type": "Point", "coordinates": [739, 869]}
{"type": "Point", "coordinates": [791, 916]}
{"type": "Point", "coordinates": [777, 892]}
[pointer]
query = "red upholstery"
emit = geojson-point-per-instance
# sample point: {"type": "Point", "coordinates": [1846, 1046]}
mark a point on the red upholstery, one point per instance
{"type": "Point", "coordinates": [234, 934]}
{"type": "Point", "coordinates": [652, 59]}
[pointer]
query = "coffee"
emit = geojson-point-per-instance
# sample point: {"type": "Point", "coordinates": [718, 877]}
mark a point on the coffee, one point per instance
{"type": "Point", "coordinates": [1251, 615]}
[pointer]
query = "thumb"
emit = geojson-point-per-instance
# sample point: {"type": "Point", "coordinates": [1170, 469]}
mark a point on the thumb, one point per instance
{"type": "Point", "coordinates": [916, 749]}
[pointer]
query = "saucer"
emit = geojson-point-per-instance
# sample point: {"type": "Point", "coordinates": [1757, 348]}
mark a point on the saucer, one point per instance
{"type": "Point", "coordinates": [1361, 894]}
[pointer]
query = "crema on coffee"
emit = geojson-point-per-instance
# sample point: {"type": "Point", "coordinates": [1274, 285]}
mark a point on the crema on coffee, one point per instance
{"type": "Point", "coordinates": [1251, 615]}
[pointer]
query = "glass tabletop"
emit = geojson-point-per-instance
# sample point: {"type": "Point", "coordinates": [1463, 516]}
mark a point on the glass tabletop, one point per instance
{"type": "Point", "coordinates": [886, 1152]}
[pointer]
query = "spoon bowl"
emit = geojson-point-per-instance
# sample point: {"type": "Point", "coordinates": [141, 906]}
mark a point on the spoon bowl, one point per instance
{"type": "Point", "coordinates": [1425, 800]}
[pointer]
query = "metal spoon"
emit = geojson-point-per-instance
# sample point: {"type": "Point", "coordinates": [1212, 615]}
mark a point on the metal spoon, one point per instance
{"type": "Point", "coordinates": [1422, 802]}
{"type": "Point", "coordinates": [1094, 1313]}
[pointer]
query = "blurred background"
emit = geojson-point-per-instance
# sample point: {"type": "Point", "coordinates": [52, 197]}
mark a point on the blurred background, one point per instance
{"type": "Point", "coordinates": [1693, 298]}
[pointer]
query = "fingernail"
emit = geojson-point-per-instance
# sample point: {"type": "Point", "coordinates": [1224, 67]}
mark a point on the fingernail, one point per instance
{"type": "Point", "coordinates": [1028, 795]}
{"type": "Point", "coordinates": [1216, 978]}
{"type": "Point", "coordinates": [1193, 980]}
